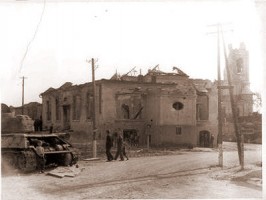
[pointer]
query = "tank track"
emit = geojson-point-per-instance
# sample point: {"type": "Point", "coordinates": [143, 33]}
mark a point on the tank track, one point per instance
{"type": "Point", "coordinates": [75, 157]}
{"type": "Point", "coordinates": [27, 161]}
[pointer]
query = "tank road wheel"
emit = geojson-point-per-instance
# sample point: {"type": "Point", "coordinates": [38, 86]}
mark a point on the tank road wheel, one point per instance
{"type": "Point", "coordinates": [27, 161]}
{"type": "Point", "coordinates": [66, 159]}
{"type": "Point", "coordinates": [21, 162]}
{"type": "Point", "coordinates": [75, 157]}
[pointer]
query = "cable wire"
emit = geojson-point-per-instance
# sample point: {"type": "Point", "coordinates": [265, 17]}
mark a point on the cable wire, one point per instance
{"type": "Point", "coordinates": [34, 35]}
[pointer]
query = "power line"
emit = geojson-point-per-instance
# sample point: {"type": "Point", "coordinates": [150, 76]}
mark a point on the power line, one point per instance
{"type": "Point", "coordinates": [34, 35]}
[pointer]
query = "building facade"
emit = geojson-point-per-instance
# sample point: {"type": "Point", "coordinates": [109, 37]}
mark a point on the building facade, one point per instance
{"type": "Point", "coordinates": [238, 64]}
{"type": "Point", "coordinates": [164, 109]}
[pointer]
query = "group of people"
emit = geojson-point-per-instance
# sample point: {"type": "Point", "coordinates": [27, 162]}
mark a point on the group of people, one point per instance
{"type": "Point", "coordinates": [120, 144]}
{"type": "Point", "coordinates": [38, 125]}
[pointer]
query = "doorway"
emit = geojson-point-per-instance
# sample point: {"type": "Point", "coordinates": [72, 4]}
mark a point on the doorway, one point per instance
{"type": "Point", "coordinates": [66, 117]}
{"type": "Point", "coordinates": [131, 136]}
{"type": "Point", "coordinates": [204, 139]}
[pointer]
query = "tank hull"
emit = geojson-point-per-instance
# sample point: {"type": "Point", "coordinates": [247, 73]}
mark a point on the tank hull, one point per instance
{"type": "Point", "coordinates": [18, 151]}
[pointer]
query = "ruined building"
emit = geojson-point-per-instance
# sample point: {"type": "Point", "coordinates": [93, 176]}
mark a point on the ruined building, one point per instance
{"type": "Point", "coordinates": [238, 61]}
{"type": "Point", "coordinates": [32, 109]}
{"type": "Point", "coordinates": [164, 109]}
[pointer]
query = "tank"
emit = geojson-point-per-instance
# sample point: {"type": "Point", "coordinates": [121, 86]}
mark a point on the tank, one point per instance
{"type": "Point", "coordinates": [18, 151]}
{"type": "Point", "coordinates": [18, 142]}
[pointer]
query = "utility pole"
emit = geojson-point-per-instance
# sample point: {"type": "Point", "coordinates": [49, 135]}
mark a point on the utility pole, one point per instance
{"type": "Point", "coordinates": [220, 122]}
{"type": "Point", "coordinates": [94, 121]}
{"type": "Point", "coordinates": [94, 142]}
{"type": "Point", "coordinates": [22, 107]}
{"type": "Point", "coordinates": [239, 137]}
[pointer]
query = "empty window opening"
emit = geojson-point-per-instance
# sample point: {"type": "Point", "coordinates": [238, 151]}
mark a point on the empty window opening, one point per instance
{"type": "Point", "coordinates": [125, 109]}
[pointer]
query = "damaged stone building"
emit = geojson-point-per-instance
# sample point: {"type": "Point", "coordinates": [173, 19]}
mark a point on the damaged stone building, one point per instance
{"type": "Point", "coordinates": [32, 109]}
{"type": "Point", "coordinates": [164, 109]}
{"type": "Point", "coordinates": [238, 61]}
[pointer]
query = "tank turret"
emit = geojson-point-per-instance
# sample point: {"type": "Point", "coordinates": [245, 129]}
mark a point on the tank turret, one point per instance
{"type": "Point", "coordinates": [16, 124]}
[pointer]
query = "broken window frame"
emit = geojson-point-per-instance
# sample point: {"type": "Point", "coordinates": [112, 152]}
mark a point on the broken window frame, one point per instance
{"type": "Point", "coordinates": [129, 106]}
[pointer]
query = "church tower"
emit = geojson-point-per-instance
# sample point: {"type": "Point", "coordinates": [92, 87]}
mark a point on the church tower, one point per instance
{"type": "Point", "coordinates": [238, 63]}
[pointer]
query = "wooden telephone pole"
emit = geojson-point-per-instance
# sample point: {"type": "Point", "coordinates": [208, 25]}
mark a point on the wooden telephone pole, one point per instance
{"type": "Point", "coordinates": [94, 121]}
{"type": "Point", "coordinates": [220, 122]}
{"type": "Point", "coordinates": [239, 136]}
{"type": "Point", "coordinates": [94, 142]}
{"type": "Point", "coordinates": [22, 107]}
{"type": "Point", "coordinates": [94, 125]}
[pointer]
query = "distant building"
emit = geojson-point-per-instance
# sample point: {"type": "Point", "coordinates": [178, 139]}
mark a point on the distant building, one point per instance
{"type": "Point", "coordinates": [32, 109]}
{"type": "Point", "coordinates": [165, 108]}
{"type": "Point", "coordinates": [238, 60]}
{"type": "Point", "coordinates": [5, 108]}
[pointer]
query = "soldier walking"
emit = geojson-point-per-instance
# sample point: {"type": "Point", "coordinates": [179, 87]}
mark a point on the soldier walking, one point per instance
{"type": "Point", "coordinates": [119, 147]}
{"type": "Point", "coordinates": [109, 144]}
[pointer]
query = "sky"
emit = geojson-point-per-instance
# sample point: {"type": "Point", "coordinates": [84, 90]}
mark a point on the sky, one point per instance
{"type": "Point", "coordinates": [61, 36]}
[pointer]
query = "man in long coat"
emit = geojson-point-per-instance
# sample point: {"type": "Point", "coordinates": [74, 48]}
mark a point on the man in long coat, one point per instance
{"type": "Point", "coordinates": [119, 147]}
{"type": "Point", "coordinates": [109, 144]}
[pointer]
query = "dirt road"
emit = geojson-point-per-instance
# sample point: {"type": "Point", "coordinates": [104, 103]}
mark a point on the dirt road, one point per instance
{"type": "Point", "coordinates": [185, 174]}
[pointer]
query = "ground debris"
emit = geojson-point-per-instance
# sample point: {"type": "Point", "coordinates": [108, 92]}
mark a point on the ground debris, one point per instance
{"type": "Point", "coordinates": [69, 171]}
{"type": "Point", "coordinates": [252, 174]}
{"type": "Point", "coordinates": [91, 159]}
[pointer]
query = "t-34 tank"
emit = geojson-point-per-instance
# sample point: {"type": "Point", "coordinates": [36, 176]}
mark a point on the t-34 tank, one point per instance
{"type": "Point", "coordinates": [16, 124]}
{"type": "Point", "coordinates": [18, 142]}
{"type": "Point", "coordinates": [18, 150]}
